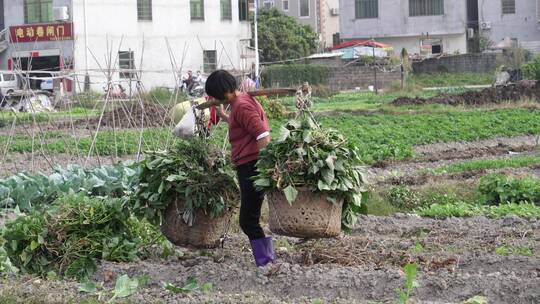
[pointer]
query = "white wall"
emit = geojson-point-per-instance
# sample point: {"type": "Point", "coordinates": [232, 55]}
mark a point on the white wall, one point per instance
{"type": "Point", "coordinates": [523, 25]}
{"type": "Point", "coordinates": [395, 24]}
{"type": "Point", "coordinates": [330, 22]}
{"type": "Point", "coordinates": [451, 43]}
{"type": "Point", "coordinates": [114, 25]}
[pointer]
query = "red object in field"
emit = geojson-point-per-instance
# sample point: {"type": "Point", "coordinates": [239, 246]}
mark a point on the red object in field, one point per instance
{"type": "Point", "coordinates": [214, 117]}
{"type": "Point", "coordinates": [41, 32]}
{"type": "Point", "coordinates": [361, 43]}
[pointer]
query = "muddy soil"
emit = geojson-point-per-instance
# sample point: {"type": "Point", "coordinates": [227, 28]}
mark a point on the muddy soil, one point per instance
{"type": "Point", "coordinates": [526, 89]}
{"type": "Point", "coordinates": [457, 260]}
{"type": "Point", "coordinates": [128, 116]}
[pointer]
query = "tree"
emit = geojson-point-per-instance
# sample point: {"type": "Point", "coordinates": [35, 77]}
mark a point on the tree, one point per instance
{"type": "Point", "coordinates": [281, 37]}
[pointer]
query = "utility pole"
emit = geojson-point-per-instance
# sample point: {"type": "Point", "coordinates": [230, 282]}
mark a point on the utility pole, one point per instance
{"type": "Point", "coordinates": [255, 23]}
{"type": "Point", "coordinates": [87, 75]}
{"type": "Point", "coordinates": [374, 68]}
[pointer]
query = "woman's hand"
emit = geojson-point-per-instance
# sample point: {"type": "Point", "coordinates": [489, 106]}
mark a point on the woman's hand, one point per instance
{"type": "Point", "coordinates": [221, 113]}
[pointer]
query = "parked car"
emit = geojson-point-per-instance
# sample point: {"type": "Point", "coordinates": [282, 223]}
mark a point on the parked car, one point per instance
{"type": "Point", "coordinates": [47, 84]}
{"type": "Point", "coordinates": [8, 82]}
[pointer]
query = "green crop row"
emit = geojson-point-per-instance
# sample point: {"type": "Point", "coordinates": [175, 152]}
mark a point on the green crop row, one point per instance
{"type": "Point", "coordinates": [379, 137]}
{"type": "Point", "coordinates": [489, 164]}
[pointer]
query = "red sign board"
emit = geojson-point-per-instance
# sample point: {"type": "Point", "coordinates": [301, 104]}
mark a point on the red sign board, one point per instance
{"type": "Point", "coordinates": [41, 32]}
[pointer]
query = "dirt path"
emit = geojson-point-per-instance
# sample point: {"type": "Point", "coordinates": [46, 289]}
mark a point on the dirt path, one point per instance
{"type": "Point", "coordinates": [457, 260]}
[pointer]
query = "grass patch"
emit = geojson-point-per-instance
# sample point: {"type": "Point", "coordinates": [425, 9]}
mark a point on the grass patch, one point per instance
{"type": "Point", "coordinates": [473, 165]}
{"type": "Point", "coordinates": [517, 251]}
{"type": "Point", "coordinates": [165, 96]}
{"type": "Point", "coordinates": [463, 209]}
{"type": "Point", "coordinates": [451, 79]}
{"type": "Point", "coordinates": [381, 137]}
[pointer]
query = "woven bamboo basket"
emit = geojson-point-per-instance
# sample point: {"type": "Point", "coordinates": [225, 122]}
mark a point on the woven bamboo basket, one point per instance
{"type": "Point", "coordinates": [205, 232]}
{"type": "Point", "coordinates": [310, 216]}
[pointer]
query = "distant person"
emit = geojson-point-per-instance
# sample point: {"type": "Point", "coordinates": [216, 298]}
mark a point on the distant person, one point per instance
{"type": "Point", "coordinates": [189, 81]}
{"type": "Point", "coordinates": [249, 132]}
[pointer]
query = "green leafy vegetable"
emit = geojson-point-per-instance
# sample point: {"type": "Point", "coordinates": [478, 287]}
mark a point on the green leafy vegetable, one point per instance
{"type": "Point", "coordinates": [190, 286]}
{"type": "Point", "coordinates": [71, 236]}
{"type": "Point", "coordinates": [322, 160]}
{"type": "Point", "coordinates": [125, 287]}
{"type": "Point", "coordinates": [194, 171]}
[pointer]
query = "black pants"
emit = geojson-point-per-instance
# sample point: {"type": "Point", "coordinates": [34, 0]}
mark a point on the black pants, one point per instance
{"type": "Point", "coordinates": [251, 202]}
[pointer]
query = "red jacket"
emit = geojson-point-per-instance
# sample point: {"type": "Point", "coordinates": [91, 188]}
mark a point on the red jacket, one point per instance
{"type": "Point", "coordinates": [247, 122]}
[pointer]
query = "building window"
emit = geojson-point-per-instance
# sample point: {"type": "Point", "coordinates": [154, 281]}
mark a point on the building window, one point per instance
{"type": "Point", "coordinates": [144, 10]}
{"type": "Point", "coordinates": [367, 9]}
{"type": "Point", "coordinates": [426, 7]}
{"type": "Point", "coordinates": [38, 11]}
{"type": "Point", "coordinates": [226, 10]}
{"type": "Point", "coordinates": [126, 61]}
{"type": "Point", "coordinates": [209, 61]}
{"type": "Point", "coordinates": [243, 10]}
{"type": "Point", "coordinates": [304, 8]}
{"type": "Point", "coordinates": [197, 9]}
{"type": "Point", "coordinates": [268, 4]}
{"type": "Point", "coordinates": [508, 6]}
{"type": "Point", "coordinates": [285, 5]}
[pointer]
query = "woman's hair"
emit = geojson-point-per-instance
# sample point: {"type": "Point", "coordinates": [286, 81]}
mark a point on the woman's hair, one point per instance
{"type": "Point", "coordinates": [219, 83]}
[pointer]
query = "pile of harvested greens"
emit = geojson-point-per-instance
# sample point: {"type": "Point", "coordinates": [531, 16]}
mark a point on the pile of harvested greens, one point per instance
{"type": "Point", "coordinates": [193, 171]}
{"type": "Point", "coordinates": [322, 160]}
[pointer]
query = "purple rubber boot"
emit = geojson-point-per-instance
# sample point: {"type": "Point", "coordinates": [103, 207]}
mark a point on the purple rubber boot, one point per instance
{"type": "Point", "coordinates": [263, 251]}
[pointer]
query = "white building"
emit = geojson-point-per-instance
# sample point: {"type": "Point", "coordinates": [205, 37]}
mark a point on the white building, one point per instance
{"type": "Point", "coordinates": [429, 27]}
{"type": "Point", "coordinates": [78, 35]}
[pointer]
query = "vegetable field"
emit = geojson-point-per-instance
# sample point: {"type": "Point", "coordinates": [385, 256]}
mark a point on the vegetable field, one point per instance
{"type": "Point", "coordinates": [442, 205]}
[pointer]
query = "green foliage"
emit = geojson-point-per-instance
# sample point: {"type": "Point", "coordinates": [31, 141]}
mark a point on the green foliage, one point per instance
{"type": "Point", "coordinates": [165, 96]}
{"type": "Point", "coordinates": [451, 79]}
{"type": "Point", "coordinates": [69, 237]}
{"type": "Point", "coordinates": [282, 38]}
{"type": "Point", "coordinates": [496, 189]}
{"type": "Point", "coordinates": [508, 250]}
{"type": "Point", "coordinates": [380, 137]}
{"type": "Point", "coordinates": [404, 198]}
{"type": "Point", "coordinates": [125, 287]}
{"type": "Point", "coordinates": [531, 70]}
{"type": "Point", "coordinates": [489, 164]}
{"type": "Point", "coordinates": [273, 108]}
{"type": "Point", "coordinates": [190, 286]}
{"type": "Point", "coordinates": [195, 172]}
{"type": "Point", "coordinates": [88, 100]}
{"type": "Point", "coordinates": [462, 209]}
{"type": "Point", "coordinates": [305, 155]}
{"type": "Point", "coordinates": [25, 190]}
{"type": "Point", "coordinates": [323, 91]}
{"type": "Point", "coordinates": [295, 74]}
{"type": "Point", "coordinates": [404, 294]}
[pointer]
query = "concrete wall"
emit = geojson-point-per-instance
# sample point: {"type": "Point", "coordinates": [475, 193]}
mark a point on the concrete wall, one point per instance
{"type": "Point", "coordinates": [329, 22]}
{"type": "Point", "coordinates": [451, 43]}
{"type": "Point", "coordinates": [473, 63]}
{"type": "Point", "coordinates": [352, 77]}
{"type": "Point", "coordinates": [522, 25]}
{"type": "Point", "coordinates": [396, 27]}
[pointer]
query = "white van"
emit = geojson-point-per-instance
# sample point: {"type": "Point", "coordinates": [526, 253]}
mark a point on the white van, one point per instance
{"type": "Point", "coordinates": [8, 82]}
